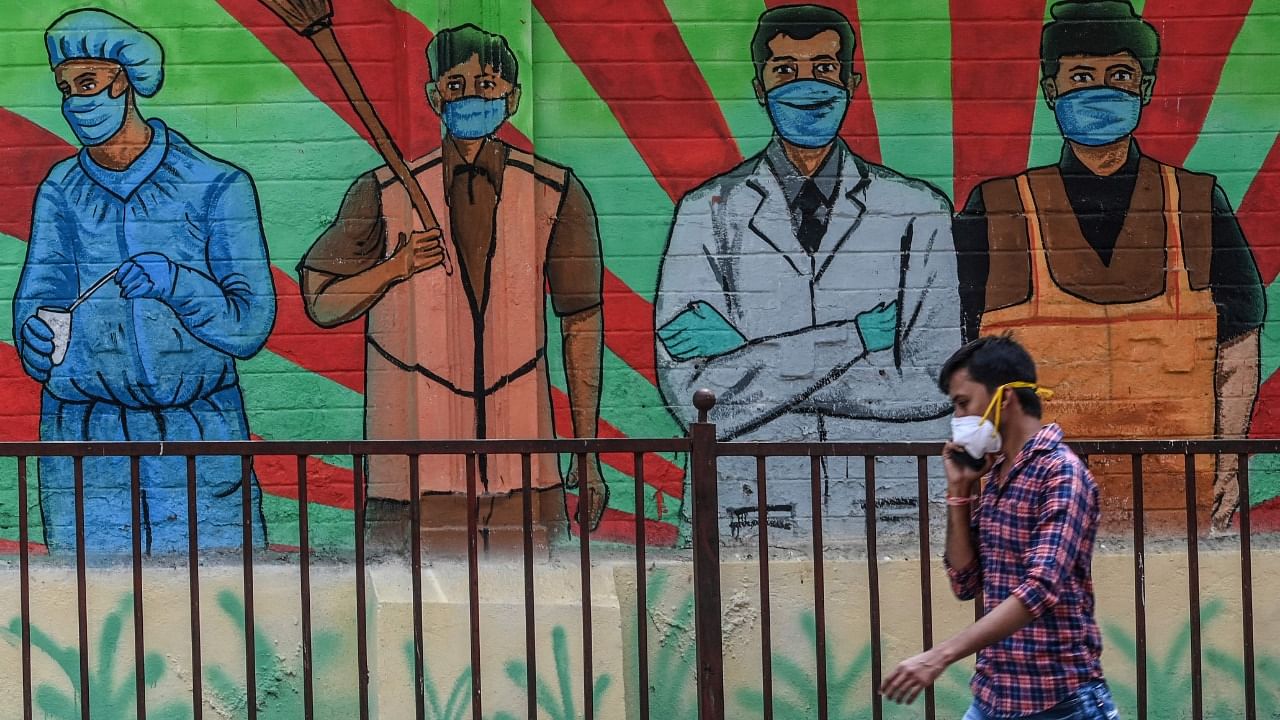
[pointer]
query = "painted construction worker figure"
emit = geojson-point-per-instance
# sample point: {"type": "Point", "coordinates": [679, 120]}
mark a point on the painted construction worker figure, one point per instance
{"type": "Point", "coordinates": [152, 355]}
{"type": "Point", "coordinates": [462, 354]}
{"type": "Point", "coordinates": [1129, 280]}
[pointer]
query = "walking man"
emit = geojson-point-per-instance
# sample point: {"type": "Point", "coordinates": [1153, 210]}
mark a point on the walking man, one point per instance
{"type": "Point", "coordinates": [1022, 529]}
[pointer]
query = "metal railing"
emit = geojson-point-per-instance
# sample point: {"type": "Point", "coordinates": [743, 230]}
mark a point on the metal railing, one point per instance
{"type": "Point", "coordinates": [703, 450]}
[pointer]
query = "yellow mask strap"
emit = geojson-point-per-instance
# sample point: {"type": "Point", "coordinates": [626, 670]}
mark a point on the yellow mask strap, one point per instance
{"type": "Point", "coordinates": [1043, 393]}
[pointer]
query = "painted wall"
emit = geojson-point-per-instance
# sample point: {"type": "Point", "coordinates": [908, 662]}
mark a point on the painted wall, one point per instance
{"type": "Point", "coordinates": [559, 658]}
{"type": "Point", "coordinates": [657, 181]}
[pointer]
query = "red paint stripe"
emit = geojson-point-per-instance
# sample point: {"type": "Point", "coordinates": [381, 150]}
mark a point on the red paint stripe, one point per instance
{"type": "Point", "coordinates": [859, 129]}
{"type": "Point", "coordinates": [620, 527]}
{"type": "Point", "coordinates": [20, 411]}
{"type": "Point", "coordinates": [1195, 40]}
{"type": "Point", "coordinates": [1259, 215]}
{"type": "Point", "coordinates": [326, 484]}
{"type": "Point", "coordinates": [27, 151]}
{"type": "Point", "coordinates": [1264, 517]}
{"type": "Point", "coordinates": [994, 88]}
{"type": "Point", "coordinates": [11, 547]}
{"type": "Point", "coordinates": [652, 85]}
{"type": "Point", "coordinates": [659, 473]}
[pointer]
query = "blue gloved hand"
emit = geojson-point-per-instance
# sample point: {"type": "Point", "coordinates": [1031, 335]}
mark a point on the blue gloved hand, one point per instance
{"type": "Point", "coordinates": [878, 327]}
{"type": "Point", "coordinates": [700, 331]}
{"type": "Point", "coordinates": [37, 348]}
{"type": "Point", "coordinates": [148, 275]}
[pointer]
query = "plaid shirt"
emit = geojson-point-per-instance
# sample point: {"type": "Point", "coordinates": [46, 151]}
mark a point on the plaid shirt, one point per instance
{"type": "Point", "coordinates": [1034, 540]}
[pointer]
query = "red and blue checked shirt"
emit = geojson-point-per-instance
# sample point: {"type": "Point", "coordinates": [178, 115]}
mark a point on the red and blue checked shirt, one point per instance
{"type": "Point", "coordinates": [1034, 540]}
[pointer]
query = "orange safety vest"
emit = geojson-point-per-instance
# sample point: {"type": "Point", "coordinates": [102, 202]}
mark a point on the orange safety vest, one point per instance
{"type": "Point", "coordinates": [442, 364]}
{"type": "Point", "coordinates": [1121, 370]}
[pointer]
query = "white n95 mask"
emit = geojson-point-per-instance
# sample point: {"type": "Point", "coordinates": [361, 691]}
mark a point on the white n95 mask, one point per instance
{"type": "Point", "coordinates": [976, 434]}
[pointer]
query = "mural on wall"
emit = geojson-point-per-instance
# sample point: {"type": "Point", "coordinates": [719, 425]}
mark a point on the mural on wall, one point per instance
{"type": "Point", "coordinates": [461, 354]}
{"type": "Point", "coordinates": [145, 280]}
{"type": "Point", "coordinates": [1129, 280]}
{"type": "Point", "coordinates": [812, 290]}
{"type": "Point", "coordinates": [935, 100]}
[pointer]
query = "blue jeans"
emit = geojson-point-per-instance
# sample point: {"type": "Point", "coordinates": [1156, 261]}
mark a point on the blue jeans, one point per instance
{"type": "Point", "coordinates": [1091, 702]}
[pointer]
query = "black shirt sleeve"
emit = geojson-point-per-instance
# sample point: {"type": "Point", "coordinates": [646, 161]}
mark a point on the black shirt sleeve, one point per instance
{"type": "Point", "coordinates": [1233, 275]}
{"type": "Point", "coordinates": [969, 230]}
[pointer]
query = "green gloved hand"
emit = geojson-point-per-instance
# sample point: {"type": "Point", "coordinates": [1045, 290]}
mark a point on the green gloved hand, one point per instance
{"type": "Point", "coordinates": [700, 331]}
{"type": "Point", "coordinates": [878, 327]}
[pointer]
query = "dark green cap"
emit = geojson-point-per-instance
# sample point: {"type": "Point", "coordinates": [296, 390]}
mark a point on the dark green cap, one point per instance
{"type": "Point", "coordinates": [1097, 27]}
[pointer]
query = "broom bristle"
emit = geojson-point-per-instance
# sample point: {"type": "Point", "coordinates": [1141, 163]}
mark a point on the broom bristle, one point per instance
{"type": "Point", "coordinates": [304, 16]}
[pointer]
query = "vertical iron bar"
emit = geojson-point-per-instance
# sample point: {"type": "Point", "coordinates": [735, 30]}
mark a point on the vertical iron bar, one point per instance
{"type": "Point", "coordinates": [473, 583]}
{"type": "Point", "coordinates": [250, 646]}
{"type": "Point", "coordinates": [82, 595]}
{"type": "Point", "coordinates": [24, 589]}
{"type": "Point", "coordinates": [304, 573]}
{"type": "Point", "coordinates": [1193, 588]}
{"type": "Point", "coordinates": [362, 611]}
{"type": "Point", "coordinates": [873, 589]}
{"type": "Point", "coordinates": [415, 569]}
{"type": "Point", "coordinates": [819, 584]}
{"type": "Point", "coordinates": [139, 646]}
{"type": "Point", "coordinates": [1140, 582]}
{"type": "Point", "coordinates": [193, 575]}
{"type": "Point", "coordinates": [706, 560]}
{"type": "Point", "coordinates": [530, 638]}
{"type": "Point", "coordinates": [766, 620]}
{"type": "Point", "coordinates": [926, 580]}
{"type": "Point", "coordinates": [1246, 591]}
{"type": "Point", "coordinates": [584, 528]}
{"type": "Point", "coordinates": [642, 589]}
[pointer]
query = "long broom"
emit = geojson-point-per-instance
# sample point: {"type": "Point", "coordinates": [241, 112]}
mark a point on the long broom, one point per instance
{"type": "Point", "coordinates": [313, 19]}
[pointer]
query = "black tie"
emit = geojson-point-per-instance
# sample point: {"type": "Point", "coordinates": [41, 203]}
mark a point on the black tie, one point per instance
{"type": "Point", "coordinates": [812, 225]}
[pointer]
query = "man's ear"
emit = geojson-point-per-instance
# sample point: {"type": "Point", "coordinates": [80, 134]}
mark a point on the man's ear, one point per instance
{"type": "Point", "coordinates": [1148, 88]}
{"type": "Point", "coordinates": [855, 80]}
{"type": "Point", "coordinates": [760, 94]}
{"type": "Point", "coordinates": [513, 100]}
{"type": "Point", "coordinates": [120, 85]}
{"type": "Point", "coordinates": [1049, 87]}
{"type": "Point", "coordinates": [433, 98]}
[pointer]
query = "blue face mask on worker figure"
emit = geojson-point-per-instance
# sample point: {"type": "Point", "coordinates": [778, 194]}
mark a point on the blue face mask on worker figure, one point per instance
{"type": "Point", "coordinates": [808, 113]}
{"type": "Point", "coordinates": [1098, 115]}
{"type": "Point", "coordinates": [472, 118]}
{"type": "Point", "coordinates": [95, 119]}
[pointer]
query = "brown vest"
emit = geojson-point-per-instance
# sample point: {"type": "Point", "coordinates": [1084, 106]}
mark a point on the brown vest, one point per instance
{"type": "Point", "coordinates": [1129, 349]}
{"type": "Point", "coordinates": [443, 365]}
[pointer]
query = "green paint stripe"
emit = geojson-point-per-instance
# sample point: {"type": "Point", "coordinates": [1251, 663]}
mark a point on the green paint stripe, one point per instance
{"type": "Point", "coordinates": [909, 70]}
{"type": "Point", "coordinates": [575, 127]}
{"type": "Point", "coordinates": [330, 528]}
{"type": "Point", "coordinates": [226, 93]}
{"type": "Point", "coordinates": [1046, 139]}
{"type": "Point", "coordinates": [9, 512]}
{"type": "Point", "coordinates": [718, 37]}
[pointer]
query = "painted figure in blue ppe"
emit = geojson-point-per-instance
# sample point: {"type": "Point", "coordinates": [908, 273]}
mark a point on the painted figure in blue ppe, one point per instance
{"type": "Point", "coordinates": [813, 291]}
{"type": "Point", "coordinates": [162, 245]}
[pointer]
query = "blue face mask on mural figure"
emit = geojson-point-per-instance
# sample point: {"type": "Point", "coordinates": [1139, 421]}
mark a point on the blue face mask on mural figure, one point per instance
{"type": "Point", "coordinates": [1098, 115]}
{"type": "Point", "coordinates": [472, 118]}
{"type": "Point", "coordinates": [808, 113]}
{"type": "Point", "coordinates": [96, 118]}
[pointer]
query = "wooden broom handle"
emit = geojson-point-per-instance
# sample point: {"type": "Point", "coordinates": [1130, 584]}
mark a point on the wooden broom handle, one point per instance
{"type": "Point", "coordinates": [327, 43]}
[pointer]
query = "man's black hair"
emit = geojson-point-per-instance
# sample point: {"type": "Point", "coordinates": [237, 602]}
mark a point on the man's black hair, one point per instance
{"type": "Point", "coordinates": [995, 361]}
{"type": "Point", "coordinates": [454, 46]}
{"type": "Point", "coordinates": [1097, 27]}
{"type": "Point", "coordinates": [802, 22]}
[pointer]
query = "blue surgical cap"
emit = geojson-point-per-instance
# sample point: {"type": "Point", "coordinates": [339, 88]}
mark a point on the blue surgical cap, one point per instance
{"type": "Point", "coordinates": [99, 35]}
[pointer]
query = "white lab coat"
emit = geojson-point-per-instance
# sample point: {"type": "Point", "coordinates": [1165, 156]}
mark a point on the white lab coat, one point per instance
{"type": "Point", "coordinates": [803, 374]}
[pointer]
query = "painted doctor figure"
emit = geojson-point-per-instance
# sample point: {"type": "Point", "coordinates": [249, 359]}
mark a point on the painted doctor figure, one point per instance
{"type": "Point", "coordinates": [163, 245]}
{"type": "Point", "coordinates": [813, 291]}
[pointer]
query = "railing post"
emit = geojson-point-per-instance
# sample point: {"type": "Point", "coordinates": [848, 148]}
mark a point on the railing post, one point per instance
{"type": "Point", "coordinates": [706, 560]}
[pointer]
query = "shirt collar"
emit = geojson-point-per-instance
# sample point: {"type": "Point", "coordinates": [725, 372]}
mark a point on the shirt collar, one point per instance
{"type": "Point", "coordinates": [123, 183]}
{"type": "Point", "coordinates": [827, 178]}
{"type": "Point", "coordinates": [491, 160]}
{"type": "Point", "coordinates": [1047, 440]}
{"type": "Point", "coordinates": [1069, 164]}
